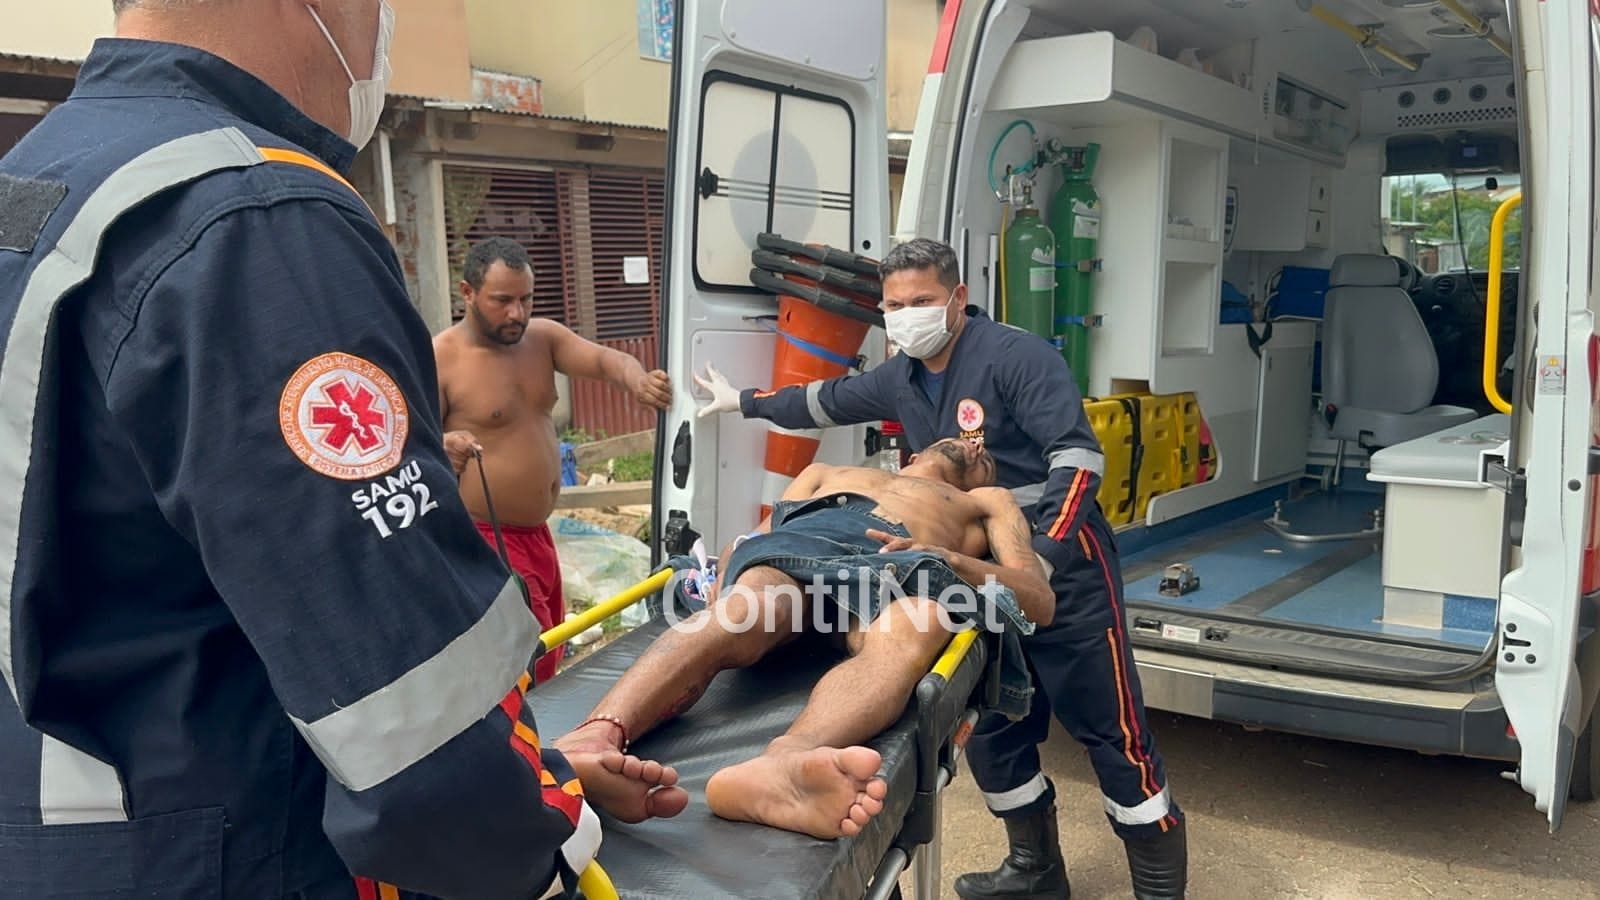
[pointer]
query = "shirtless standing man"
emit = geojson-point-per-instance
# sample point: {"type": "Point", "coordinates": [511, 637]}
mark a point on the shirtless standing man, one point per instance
{"type": "Point", "coordinates": [497, 391]}
{"type": "Point", "coordinates": [928, 529]}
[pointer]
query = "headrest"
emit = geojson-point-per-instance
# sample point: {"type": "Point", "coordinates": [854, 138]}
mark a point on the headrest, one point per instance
{"type": "Point", "coordinates": [1371, 270]}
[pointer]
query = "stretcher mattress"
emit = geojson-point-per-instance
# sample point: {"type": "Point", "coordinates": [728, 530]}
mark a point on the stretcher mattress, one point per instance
{"type": "Point", "coordinates": [697, 856]}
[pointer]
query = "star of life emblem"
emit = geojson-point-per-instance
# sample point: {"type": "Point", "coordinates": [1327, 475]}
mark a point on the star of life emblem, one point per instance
{"type": "Point", "coordinates": [969, 415]}
{"type": "Point", "coordinates": [344, 417]}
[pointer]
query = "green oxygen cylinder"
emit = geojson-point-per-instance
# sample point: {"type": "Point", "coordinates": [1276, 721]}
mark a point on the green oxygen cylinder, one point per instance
{"type": "Point", "coordinates": [1030, 275]}
{"type": "Point", "coordinates": [1075, 219]}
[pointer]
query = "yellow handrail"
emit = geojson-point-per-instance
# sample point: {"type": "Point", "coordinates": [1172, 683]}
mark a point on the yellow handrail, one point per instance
{"type": "Point", "coordinates": [1491, 315]}
{"type": "Point", "coordinates": [598, 613]}
{"type": "Point", "coordinates": [1364, 37]}
{"type": "Point", "coordinates": [596, 884]}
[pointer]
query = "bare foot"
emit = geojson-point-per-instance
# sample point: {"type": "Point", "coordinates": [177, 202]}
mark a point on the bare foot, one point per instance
{"type": "Point", "coordinates": [630, 789]}
{"type": "Point", "coordinates": [823, 792]}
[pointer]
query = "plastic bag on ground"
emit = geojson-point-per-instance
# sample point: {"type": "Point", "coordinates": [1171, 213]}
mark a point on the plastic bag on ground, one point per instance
{"type": "Point", "coordinates": [598, 564]}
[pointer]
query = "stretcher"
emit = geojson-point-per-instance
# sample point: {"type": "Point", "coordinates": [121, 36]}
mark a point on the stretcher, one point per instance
{"type": "Point", "coordinates": [697, 855]}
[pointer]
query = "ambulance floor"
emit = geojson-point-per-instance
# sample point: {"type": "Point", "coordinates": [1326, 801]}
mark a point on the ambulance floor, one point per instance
{"type": "Point", "coordinates": [1247, 569]}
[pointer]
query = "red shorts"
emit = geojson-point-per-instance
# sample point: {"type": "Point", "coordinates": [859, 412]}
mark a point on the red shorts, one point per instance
{"type": "Point", "coordinates": [533, 556]}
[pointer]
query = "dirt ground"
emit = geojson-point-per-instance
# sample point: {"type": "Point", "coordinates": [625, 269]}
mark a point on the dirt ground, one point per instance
{"type": "Point", "coordinates": [1274, 815]}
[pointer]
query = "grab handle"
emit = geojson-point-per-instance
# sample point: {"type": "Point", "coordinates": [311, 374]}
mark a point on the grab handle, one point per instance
{"type": "Point", "coordinates": [1491, 315]}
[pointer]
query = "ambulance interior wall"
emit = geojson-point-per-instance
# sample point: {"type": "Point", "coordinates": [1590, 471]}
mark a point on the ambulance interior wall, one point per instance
{"type": "Point", "coordinates": [1355, 227]}
{"type": "Point", "coordinates": [1123, 354]}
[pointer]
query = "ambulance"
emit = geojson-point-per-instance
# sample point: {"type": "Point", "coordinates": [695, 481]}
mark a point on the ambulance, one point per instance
{"type": "Point", "coordinates": [1324, 272]}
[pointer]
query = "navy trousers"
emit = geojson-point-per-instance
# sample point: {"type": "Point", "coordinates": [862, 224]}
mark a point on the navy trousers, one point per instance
{"type": "Point", "coordinates": [1082, 665]}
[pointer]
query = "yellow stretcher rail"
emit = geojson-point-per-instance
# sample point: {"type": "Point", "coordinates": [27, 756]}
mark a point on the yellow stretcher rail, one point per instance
{"type": "Point", "coordinates": [954, 653]}
{"type": "Point", "coordinates": [598, 613]}
{"type": "Point", "coordinates": [596, 884]}
{"type": "Point", "coordinates": [1491, 314]}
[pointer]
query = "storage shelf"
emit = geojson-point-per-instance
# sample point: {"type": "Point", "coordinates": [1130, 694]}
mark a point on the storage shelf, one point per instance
{"type": "Point", "coordinates": [1094, 79]}
{"type": "Point", "coordinates": [1178, 250]}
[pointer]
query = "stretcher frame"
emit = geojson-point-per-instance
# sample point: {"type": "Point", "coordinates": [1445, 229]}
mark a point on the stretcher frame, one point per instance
{"type": "Point", "coordinates": [917, 845]}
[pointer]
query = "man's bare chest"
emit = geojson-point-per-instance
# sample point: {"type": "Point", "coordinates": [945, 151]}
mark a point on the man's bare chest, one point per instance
{"type": "Point", "coordinates": [491, 391]}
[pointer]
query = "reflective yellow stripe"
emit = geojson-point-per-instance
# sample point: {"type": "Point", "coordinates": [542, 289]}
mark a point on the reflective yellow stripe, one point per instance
{"type": "Point", "coordinates": [527, 735]}
{"type": "Point", "coordinates": [296, 158]}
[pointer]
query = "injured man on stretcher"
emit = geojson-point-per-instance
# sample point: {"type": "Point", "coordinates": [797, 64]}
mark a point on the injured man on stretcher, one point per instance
{"type": "Point", "coordinates": [886, 568]}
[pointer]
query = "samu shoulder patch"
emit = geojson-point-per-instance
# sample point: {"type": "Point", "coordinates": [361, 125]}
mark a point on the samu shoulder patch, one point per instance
{"type": "Point", "coordinates": [344, 417]}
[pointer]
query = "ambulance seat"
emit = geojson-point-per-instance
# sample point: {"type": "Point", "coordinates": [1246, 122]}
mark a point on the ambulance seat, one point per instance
{"type": "Point", "coordinates": [1380, 371]}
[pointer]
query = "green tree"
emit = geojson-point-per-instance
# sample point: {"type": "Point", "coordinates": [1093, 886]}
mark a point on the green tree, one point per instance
{"type": "Point", "coordinates": [1438, 213]}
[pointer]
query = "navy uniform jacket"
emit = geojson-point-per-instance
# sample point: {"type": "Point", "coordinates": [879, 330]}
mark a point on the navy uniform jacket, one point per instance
{"type": "Point", "coordinates": [1004, 386]}
{"type": "Point", "coordinates": [251, 641]}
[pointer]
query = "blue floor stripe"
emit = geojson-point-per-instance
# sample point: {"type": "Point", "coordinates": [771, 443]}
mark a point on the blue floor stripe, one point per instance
{"type": "Point", "coordinates": [1469, 613]}
{"type": "Point", "coordinates": [1231, 572]}
{"type": "Point", "coordinates": [1353, 600]}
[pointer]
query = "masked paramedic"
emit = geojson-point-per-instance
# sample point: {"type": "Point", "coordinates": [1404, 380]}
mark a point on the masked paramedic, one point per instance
{"type": "Point", "coordinates": [959, 373]}
{"type": "Point", "coordinates": [251, 643]}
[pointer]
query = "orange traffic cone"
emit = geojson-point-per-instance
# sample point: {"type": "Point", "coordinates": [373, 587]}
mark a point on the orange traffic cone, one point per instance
{"type": "Point", "coordinates": [813, 345]}
{"type": "Point", "coordinates": [820, 333]}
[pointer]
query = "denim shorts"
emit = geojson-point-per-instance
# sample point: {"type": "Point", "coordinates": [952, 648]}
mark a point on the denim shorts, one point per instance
{"type": "Point", "coordinates": [823, 542]}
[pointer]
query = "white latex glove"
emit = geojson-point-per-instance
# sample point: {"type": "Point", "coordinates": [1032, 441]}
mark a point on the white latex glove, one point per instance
{"type": "Point", "coordinates": [724, 396]}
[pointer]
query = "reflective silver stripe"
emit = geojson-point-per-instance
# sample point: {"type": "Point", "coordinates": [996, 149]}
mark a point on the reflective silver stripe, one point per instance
{"type": "Point", "coordinates": [77, 789]}
{"type": "Point", "coordinates": [377, 737]}
{"type": "Point", "coordinates": [1017, 797]}
{"type": "Point", "coordinates": [1027, 495]}
{"type": "Point", "coordinates": [70, 262]}
{"type": "Point", "coordinates": [814, 406]}
{"type": "Point", "coordinates": [1079, 458]}
{"type": "Point", "coordinates": [1151, 810]}
{"type": "Point", "coordinates": [814, 434]}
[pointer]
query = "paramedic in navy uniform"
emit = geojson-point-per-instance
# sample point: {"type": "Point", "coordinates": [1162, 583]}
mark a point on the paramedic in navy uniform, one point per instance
{"type": "Point", "coordinates": [961, 374]}
{"type": "Point", "coordinates": [251, 644]}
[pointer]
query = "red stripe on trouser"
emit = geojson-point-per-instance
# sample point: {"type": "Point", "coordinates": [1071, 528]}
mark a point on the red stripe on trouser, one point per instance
{"type": "Point", "coordinates": [570, 806]}
{"type": "Point", "coordinates": [366, 889]}
{"type": "Point", "coordinates": [1069, 505]}
{"type": "Point", "coordinates": [1127, 714]}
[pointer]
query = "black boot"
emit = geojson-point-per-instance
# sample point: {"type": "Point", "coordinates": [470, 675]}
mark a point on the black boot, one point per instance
{"type": "Point", "coordinates": [1160, 865]}
{"type": "Point", "coordinates": [1033, 870]}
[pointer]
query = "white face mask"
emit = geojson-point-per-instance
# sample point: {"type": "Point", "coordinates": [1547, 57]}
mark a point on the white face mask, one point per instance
{"type": "Point", "coordinates": [366, 97]}
{"type": "Point", "coordinates": [919, 331]}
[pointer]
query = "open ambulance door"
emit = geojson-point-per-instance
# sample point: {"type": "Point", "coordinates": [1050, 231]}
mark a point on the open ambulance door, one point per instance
{"type": "Point", "coordinates": [1543, 598]}
{"type": "Point", "coordinates": [778, 125]}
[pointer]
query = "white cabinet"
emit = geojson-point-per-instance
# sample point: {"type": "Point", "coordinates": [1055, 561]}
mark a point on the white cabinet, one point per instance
{"type": "Point", "coordinates": [1321, 189]}
{"type": "Point", "coordinates": [1094, 78]}
{"type": "Point", "coordinates": [1283, 404]}
{"type": "Point", "coordinates": [1283, 207]}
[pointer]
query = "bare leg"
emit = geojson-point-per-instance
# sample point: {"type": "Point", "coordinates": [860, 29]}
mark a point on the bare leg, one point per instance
{"type": "Point", "coordinates": [804, 781]}
{"type": "Point", "coordinates": [743, 626]}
